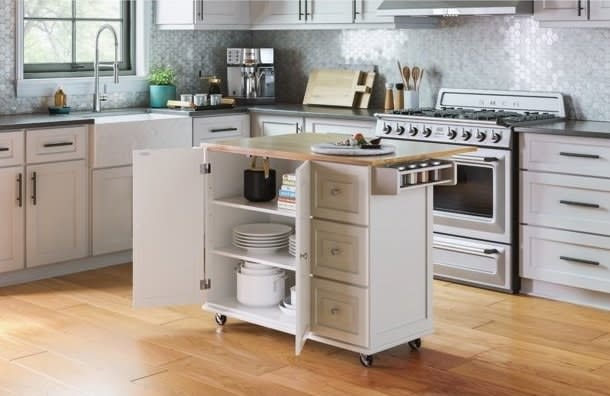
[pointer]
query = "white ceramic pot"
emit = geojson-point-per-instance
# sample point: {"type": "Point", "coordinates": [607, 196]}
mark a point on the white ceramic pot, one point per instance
{"type": "Point", "coordinates": [260, 290]}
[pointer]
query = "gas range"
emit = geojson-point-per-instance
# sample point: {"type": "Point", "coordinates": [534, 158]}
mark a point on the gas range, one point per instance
{"type": "Point", "coordinates": [472, 117]}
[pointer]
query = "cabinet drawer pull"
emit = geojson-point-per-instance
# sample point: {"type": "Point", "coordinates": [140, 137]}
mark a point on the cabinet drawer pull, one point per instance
{"type": "Point", "coordinates": [223, 130]}
{"type": "Point", "coordinates": [580, 7]}
{"type": "Point", "coordinates": [334, 311]}
{"type": "Point", "coordinates": [335, 191]}
{"type": "Point", "coordinates": [59, 144]}
{"type": "Point", "coordinates": [580, 261]}
{"type": "Point", "coordinates": [4, 149]}
{"type": "Point", "coordinates": [33, 188]}
{"type": "Point", "coordinates": [579, 155]}
{"type": "Point", "coordinates": [20, 188]}
{"type": "Point", "coordinates": [575, 203]}
{"type": "Point", "coordinates": [335, 251]}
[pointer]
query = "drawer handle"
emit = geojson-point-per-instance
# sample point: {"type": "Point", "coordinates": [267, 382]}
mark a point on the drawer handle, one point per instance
{"type": "Point", "coordinates": [335, 251]}
{"type": "Point", "coordinates": [34, 188]}
{"type": "Point", "coordinates": [20, 187]}
{"type": "Point", "coordinates": [334, 311]}
{"type": "Point", "coordinates": [580, 261]}
{"type": "Point", "coordinates": [579, 155]}
{"type": "Point", "coordinates": [583, 204]}
{"type": "Point", "coordinates": [59, 144]}
{"type": "Point", "coordinates": [222, 130]}
{"type": "Point", "coordinates": [335, 191]}
{"type": "Point", "coordinates": [4, 149]}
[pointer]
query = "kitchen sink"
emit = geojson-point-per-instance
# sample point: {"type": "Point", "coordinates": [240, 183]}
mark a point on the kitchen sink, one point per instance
{"type": "Point", "coordinates": [127, 116]}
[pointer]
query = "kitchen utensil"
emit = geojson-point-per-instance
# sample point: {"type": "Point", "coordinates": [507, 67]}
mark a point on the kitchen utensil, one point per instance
{"type": "Point", "coordinates": [415, 73]}
{"type": "Point", "coordinates": [363, 98]}
{"type": "Point", "coordinates": [406, 74]}
{"type": "Point", "coordinates": [263, 229]}
{"type": "Point", "coordinates": [388, 103]}
{"type": "Point", "coordinates": [399, 97]}
{"type": "Point", "coordinates": [421, 76]}
{"type": "Point", "coordinates": [400, 71]}
{"type": "Point", "coordinates": [333, 87]}
{"type": "Point", "coordinates": [259, 184]}
{"type": "Point", "coordinates": [411, 99]}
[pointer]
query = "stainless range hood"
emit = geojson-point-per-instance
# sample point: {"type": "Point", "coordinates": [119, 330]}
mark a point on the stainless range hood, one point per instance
{"type": "Point", "coordinates": [420, 8]}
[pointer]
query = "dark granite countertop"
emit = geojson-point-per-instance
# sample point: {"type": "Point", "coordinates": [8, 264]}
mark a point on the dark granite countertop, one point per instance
{"type": "Point", "coordinates": [315, 111]}
{"type": "Point", "coordinates": [12, 122]}
{"type": "Point", "coordinates": [599, 129]}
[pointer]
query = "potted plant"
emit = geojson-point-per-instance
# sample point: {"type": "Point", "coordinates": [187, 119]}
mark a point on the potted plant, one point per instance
{"type": "Point", "coordinates": [162, 86]}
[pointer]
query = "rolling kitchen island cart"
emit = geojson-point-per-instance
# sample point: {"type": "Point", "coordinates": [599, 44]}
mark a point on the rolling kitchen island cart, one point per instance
{"type": "Point", "coordinates": [363, 224]}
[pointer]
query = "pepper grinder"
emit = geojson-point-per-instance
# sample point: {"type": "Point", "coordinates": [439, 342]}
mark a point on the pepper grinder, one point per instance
{"type": "Point", "coordinates": [399, 98]}
{"type": "Point", "coordinates": [388, 104]}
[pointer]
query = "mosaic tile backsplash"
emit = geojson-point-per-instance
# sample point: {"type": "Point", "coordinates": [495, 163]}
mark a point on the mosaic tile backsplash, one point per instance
{"type": "Point", "coordinates": [512, 53]}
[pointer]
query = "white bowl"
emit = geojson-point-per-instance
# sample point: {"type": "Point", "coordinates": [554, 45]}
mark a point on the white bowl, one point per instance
{"type": "Point", "coordinates": [252, 265]}
{"type": "Point", "coordinates": [260, 291]}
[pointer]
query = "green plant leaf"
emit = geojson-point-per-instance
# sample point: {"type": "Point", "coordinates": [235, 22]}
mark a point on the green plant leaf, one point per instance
{"type": "Point", "coordinates": [162, 75]}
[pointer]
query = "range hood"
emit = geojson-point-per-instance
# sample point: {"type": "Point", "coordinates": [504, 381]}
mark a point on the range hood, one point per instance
{"type": "Point", "coordinates": [420, 8]}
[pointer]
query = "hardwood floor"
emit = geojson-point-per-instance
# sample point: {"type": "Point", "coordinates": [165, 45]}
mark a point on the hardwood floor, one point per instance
{"type": "Point", "coordinates": [78, 335]}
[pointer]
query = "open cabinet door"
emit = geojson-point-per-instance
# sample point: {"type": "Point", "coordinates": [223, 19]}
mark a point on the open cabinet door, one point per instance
{"type": "Point", "coordinates": [303, 231]}
{"type": "Point", "coordinates": [168, 226]}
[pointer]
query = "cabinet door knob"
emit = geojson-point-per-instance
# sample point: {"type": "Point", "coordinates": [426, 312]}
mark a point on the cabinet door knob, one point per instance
{"type": "Point", "coordinates": [334, 311]}
{"type": "Point", "coordinates": [335, 191]}
{"type": "Point", "coordinates": [335, 251]}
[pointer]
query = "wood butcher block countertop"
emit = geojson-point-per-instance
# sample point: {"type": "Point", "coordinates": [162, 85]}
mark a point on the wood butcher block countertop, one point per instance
{"type": "Point", "coordinates": [298, 147]}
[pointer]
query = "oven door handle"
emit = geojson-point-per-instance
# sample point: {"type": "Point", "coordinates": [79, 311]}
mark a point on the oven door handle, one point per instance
{"type": "Point", "coordinates": [485, 252]}
{"type": "Point", "coordinates": [474, 158]}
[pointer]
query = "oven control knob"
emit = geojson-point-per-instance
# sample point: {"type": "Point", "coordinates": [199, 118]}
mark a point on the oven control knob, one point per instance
{"type": "Point", "coordinates": [496, 137]}
{"type": "Point", "coordinates": [387, 129]}
{"type": "Point", "coordinates": [481, 136]}
{"type": "Point", "coordinates": [427, 132]}
{"type": "Point", "coordinates": [413, 131]}
{"type": "Point", "coordinates": [466, 135]}
{"type": "Point", "coordinates": [400, 129]}
{"type": "Point", "coordinates": [452, 134]}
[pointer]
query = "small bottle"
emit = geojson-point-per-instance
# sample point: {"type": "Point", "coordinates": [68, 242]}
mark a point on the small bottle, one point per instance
{"type": "Point", "coordinates": [388, 104]}
{"type": "Point", "coordinates": [399, 97]}
{"type": "Point", "coordinates": [61, 99]}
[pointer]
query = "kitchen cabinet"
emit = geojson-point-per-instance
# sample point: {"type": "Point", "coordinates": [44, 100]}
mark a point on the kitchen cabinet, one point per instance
{"type": "Point", "coordinates": [57, 212]}
{"type": "Point", "coordinates": [565, 226]}
{"type": "Point", "coordinates": [291, 12]}
{"type": "Point", "coordinates": [365, 11]}
{"type": "Point", "coordinates": [343, 212]}
{"type": "Point", "coordinates": [582, 13]}
{"type": "Point", "coordinates": [202, 14]}
{"type": "Point", "coordinates": [12, 213]}
{"type": "Point", "coordinates": [220, 127]}
{"type": "Point", "coordinates": [270, 124]}
{"type": "Point", "coordinates": [339, 125]}
{"type": "Point", "coordinates": [111, 208]}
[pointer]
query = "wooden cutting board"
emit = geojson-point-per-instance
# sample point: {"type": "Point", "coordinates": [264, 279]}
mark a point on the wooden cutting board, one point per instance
{"type": "Point", "coordinates": [333, 87]}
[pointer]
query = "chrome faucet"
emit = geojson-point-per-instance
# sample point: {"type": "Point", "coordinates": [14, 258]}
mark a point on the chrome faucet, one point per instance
{"type": "Point", "coordinates": [97, 98]}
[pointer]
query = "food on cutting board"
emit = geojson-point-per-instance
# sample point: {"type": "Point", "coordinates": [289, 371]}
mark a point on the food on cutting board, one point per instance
{"type": "Point", "coordinates": [359, 141]}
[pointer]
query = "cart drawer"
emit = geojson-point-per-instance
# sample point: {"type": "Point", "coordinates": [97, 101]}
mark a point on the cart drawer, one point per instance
{"type": "Point", "coordinates": [56, 144]}
{"type": "Point", "coordinates": [566, 154]}
{"type": "Point", "coordinates": [341, 192]}
{"type": "Point", "coordinates": [340, 312]}
{"type": "Point", "coordinates": [340, 252]}
{"type": "Point", "coordinates": [11, 148]}
{"type": "Point", "coordinates": [567, 258]}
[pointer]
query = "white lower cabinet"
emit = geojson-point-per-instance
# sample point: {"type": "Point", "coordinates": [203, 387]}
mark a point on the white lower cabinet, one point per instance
{"type": "Point", "coordinates": [111, 207]}
{"type": "Point", "coordinates": [263, 124]}
{"type": "Point", "coordinates": [12, 215]}
{"type": "Point", "coordinates": [57, 212]}
{"type": "Point", "coordinates": [271, 125]}
{"type": "Point", "coordinates": [206, 129]}
{"type": "Point", "coordinates": [334, 125]}
{"type": "Point", "coordinates": [363, 288]}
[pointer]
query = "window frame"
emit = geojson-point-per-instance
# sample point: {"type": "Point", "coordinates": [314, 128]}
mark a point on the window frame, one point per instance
{"type": "Point", "coordinates": [82, 69]}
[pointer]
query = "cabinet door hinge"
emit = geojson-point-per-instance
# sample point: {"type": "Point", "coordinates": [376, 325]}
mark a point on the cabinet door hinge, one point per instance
{"type": "Point", "coordinates": [205, 284]}
{"type": "Point", "coordinates": [205, 168]}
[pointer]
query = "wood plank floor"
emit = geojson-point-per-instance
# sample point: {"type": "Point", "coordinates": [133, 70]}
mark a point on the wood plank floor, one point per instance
{"type": "Point", "coordinates": [78, 335]}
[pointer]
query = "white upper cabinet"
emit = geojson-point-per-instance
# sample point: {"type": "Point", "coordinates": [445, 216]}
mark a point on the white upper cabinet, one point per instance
{"type": "Point", "coordinates": [202, 14]}
{"type": "Point", "coordinates": [280, 12]}
{"type": "Point", "coordinates": [581, 12]}
{"type": "Point", "coordinates": [329, 11]}
{"type": "Point", "coordinates": [365, 11]}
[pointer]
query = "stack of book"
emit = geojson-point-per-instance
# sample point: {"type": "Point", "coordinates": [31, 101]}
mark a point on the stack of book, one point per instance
{"type": "Point", "coordinates": [287, 196]}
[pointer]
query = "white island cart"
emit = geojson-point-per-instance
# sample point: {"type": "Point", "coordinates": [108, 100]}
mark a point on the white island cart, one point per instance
{"type": "Point", "coordinates": [363, 268]}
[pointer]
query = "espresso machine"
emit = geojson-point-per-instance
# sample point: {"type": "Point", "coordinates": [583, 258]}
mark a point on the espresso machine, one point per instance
{"type": "Point", "coordinates": [251, 75]}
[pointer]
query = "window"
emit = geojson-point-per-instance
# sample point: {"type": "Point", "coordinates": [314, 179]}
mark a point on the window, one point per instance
{"type": "Point", "coordinates": [59, 36]}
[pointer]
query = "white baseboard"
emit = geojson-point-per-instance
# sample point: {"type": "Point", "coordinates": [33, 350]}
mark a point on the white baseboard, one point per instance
{"type": "Point", "coordinates": [568, 294]}
{"type": "Point", "coordinates": [65, 268]}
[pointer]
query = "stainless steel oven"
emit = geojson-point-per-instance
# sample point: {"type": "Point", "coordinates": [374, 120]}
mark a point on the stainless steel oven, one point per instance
{"type": "Point", "coordinates": [478, 206]}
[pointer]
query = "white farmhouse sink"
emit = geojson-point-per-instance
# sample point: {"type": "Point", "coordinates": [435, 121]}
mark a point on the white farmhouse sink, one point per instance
{"type": "Point", "coordinates": [113, 118]}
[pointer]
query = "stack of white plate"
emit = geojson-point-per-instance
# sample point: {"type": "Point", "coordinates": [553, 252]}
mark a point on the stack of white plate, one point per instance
{"type": "Point", "coordinates": [292, 245]}
{"type": "Point", "coordinates": [287, 307]}
{"type": "Point", "coordinates": [261, 237]}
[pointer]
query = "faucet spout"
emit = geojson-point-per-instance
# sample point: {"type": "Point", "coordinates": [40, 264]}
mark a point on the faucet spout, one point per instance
{"type": "Point", "coordinates": [97, 98]}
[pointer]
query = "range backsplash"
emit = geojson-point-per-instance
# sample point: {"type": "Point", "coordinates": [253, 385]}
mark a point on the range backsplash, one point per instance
{"type": "Point", "coordinates": [467, 52]}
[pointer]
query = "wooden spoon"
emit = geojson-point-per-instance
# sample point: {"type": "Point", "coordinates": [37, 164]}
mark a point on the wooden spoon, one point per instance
{"type": "Point", "coordinates": [421, 76]}
{"type": "Point", "coordinates": [400, 69]}
{"type": "Point", "coordinates": [406, 73]}
{"type": "Point", "coordinates": [415, 73]}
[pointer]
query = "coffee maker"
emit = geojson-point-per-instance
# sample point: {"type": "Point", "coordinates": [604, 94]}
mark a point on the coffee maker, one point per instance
{"type": "Point", "coordinates": [251, 75]}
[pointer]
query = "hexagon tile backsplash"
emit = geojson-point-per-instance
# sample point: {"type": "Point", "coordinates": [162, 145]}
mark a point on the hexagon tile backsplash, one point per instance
{"type": "Point", "coordinates": [509, 53]}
